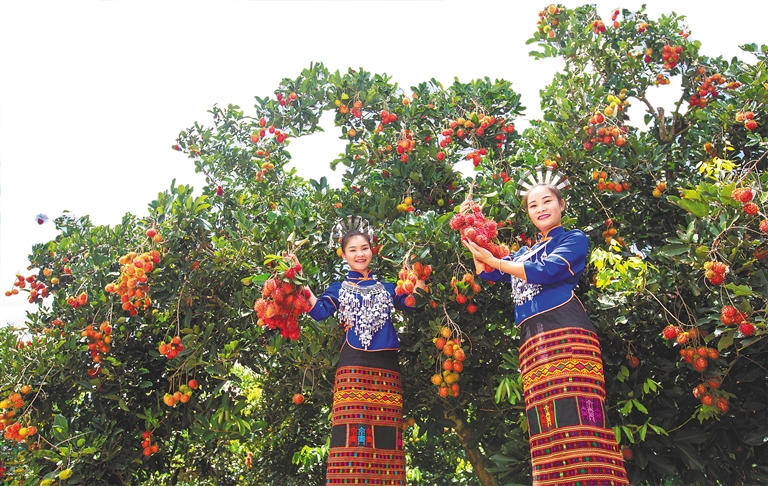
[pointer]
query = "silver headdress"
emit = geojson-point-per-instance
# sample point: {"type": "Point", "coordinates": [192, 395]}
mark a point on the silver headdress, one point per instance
{"type": "Point", "coordinates": [531, 179]}
{"type": "Point", "coordinates": [344, 226]}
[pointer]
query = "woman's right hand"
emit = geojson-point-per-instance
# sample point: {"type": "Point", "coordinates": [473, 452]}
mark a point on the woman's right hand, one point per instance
{"type": "Point", "coordinates": [480, 255]}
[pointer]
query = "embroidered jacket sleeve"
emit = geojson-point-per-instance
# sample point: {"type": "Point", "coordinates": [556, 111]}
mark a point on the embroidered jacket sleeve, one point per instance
{"type": "Point", "coordinates": [566, 260]}
{"type": "Point", "coordinates": [327, 303]}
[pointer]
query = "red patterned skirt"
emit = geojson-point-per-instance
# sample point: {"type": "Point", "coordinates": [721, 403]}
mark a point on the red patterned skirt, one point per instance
{"type": "Point", "coordinates": [572, 443]}
{"type": "Point", "coordinates": [366, 435]}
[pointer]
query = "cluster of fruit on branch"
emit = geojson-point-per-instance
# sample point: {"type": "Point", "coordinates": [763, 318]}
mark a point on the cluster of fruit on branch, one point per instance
{"type": "Point", "coordinates": [745, 195]}
{"type": "Point", "coordinates": [464, 290]}
{"type": "Point", "coordinates": [406, 206]}
{"type": "Point", "coordinates": [182, 395]}
{"type": "Point", "coordinates": [549, 20]}
{"type": "Point", "coordinates": [609, 234]}
{"type": "Point", "coordinates": [484, 129]}
{"type": "Point", "coordinates": [147, 445]}
{"type": "Point", "coordinates": [715, 271]}
{"type": "Point", "coordinates": [748, 118]}
{"type": "Point", "coordinates": [603, 184]}
{"type": "Point", "coordinates": [408, 278]}
{"type": "Point", "coordinates": [99, 341]}
{"type": "Point", "coordinates": [603, 127]}
{"type": "Point", "coordinates": [405, 145]}
{"type": "Point", "coordinates": [9, 409]}
{"type": "Point", "coordinates": [172, 348]}
{"type": "Point", "coordinates": [36, 287]}
{"type": "Point", "coordinates": [710, 395]}
{"type": "Point", "coordinates": [707, 90]}
{"type": "Point", "coordinates": [132, 286]}
{"type": "Point", "coordinates": [284, 299]}
{"type": "Point", "coordinates": [701, 358]}
{"type": "Point", "coordinates": [260, 137]}
{"type": "Point", "coordinates": [450, 360]}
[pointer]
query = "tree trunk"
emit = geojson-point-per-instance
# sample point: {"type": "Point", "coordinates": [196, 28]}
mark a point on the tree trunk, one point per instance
{"type": "Point", "coordinates": [475, 456]}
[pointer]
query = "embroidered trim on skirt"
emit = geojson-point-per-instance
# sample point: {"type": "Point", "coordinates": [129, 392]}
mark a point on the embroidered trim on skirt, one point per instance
{"type": "Point", "coordinates": [367, 418]}
{"type": "Point", "coordinates": [572, 443]}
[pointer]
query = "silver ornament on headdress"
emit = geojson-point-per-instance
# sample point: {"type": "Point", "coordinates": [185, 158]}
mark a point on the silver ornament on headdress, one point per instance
{"type": "Point", "coordinates": [531, 179]}
{"type": "Point", "coordinates": [344, 226]}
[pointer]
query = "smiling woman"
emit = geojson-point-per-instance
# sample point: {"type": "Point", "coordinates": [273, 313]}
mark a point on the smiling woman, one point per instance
{"type": "Point", "coordinates": [571, 438]}
{"type": "Point", "coordinates": [367, 417]}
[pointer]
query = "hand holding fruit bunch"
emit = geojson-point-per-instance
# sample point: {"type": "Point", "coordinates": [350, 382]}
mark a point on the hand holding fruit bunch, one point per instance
{"type": "Point", "coordinates": [475, 228]}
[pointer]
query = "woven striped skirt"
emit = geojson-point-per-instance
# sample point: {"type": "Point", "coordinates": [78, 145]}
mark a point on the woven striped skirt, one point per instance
{"type": "Point", "coordinates": [367, 418]}
{"type": "Point", "coordinates": [572, 443]}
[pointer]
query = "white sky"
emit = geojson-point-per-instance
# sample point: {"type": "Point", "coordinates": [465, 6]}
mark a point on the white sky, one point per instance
{"type": "Point", "coordinates": [94, 93]}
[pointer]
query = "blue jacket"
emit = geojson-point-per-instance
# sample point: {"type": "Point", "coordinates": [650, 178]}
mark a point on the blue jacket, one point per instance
{"type": "Point", "coordinates": [551, 272]}
{"type": "Point", "coordinates": [328, 303]}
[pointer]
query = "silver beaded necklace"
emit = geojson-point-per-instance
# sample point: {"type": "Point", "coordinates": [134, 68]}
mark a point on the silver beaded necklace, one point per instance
{"type": "Point", "coordinates": [365, 314]}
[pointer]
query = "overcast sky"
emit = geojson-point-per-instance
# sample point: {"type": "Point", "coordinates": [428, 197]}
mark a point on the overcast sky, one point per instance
{"type": "Point", "coordinates": [94, 93]}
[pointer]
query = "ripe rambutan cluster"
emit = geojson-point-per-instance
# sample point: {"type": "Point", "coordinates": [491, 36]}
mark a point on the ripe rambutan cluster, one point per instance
{"type": "Point", "coordinates": [465, 290]}
{"type": "Point", "coordinates": [147, 445]}
{"type": "Point", "coordinates": [182, 395]}
{"type": "Point", "coordinates": [715, 272]}
{"type": "Point", "coordinates": [99, 341]}
{"type": "Point", "coordinates": [730, 316]}
{"type": "Point", "coordinates": [283, 300]}
{"type": "Point", "coordinates": [474, 227]}
{"type": "Point", "coordinates": [699, 356]}
{"type": "Point", "coordinates": [484, 129]}
{"type": "Point", "coordinates": [748, 119]}
{"type": "Point", "coordinates": [745, 195]}
{"type": "Point", "coordinates": [132, 286]}
{"type": "Point", "coordinates": [709, 395]}
{"type": "Point", "coordinates": [408, 278]}
{"type": "Point", "coordinates": [37, 288]}
{"type": "Point", "coordinates": [18, 432]}
{"type": "Point", "coordinates": [9, 407]}
{"type": "Point", "coordinates": [451, 359]}
{"type": "Point", "coordinates": [172, 348]}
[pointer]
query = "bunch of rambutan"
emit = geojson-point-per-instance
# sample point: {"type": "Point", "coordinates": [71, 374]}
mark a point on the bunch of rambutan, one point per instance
{"type": "Point", "coordinates": [473, 226]}
{"type": "Point", "coordinates": [407, 279]}
{"type": "Point", "coordinates": [284, 299]}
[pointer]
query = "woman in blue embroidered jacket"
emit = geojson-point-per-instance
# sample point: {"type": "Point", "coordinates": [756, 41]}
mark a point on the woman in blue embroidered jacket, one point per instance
{"type": "Point", "coordinates": [560, 362]}
{"type": "Point", "coordinates": [366, 425]}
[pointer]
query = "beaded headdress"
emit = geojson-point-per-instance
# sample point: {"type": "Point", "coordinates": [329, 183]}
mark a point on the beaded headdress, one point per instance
{"type": "Point", "coordinates": [531, 179]}
{"type": "Point", "coordinates": [344, 226]}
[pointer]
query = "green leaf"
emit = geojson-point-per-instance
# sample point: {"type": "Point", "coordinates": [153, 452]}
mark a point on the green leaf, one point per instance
{"type": "Point", "coordinates": [692, 435]}
{"type": "Point", "coordinates": [675, 249]}
{"type": "Point", "coordinates": [697, 208]}
{"type": "Point", "coordinates": [640, 407]}
{"type": "Point", "coordinates": [690, 456]}
{"type": "Point", "coordinates": [122, 405]}
{"type": "Point", "coordinates": [60, 427]}
{"type": "Point", "coordinates": [757, 437]}
{"type": "Point", "coordinates": [739, 290]}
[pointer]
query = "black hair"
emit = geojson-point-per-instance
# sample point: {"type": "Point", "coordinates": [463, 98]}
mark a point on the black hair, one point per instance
{"type": "Point", "coordinates": [550, 187]}
{"type": "Point", "coordinates": [351, 234]}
